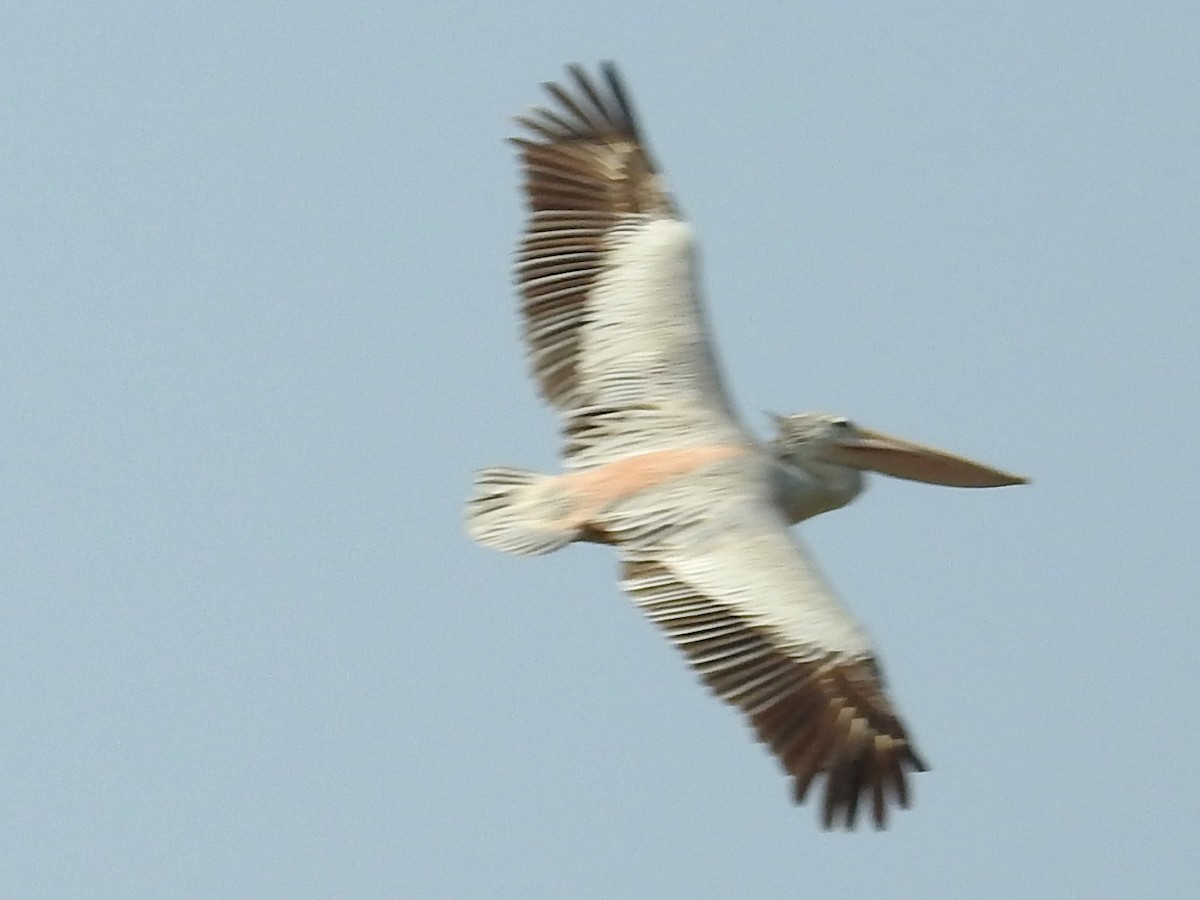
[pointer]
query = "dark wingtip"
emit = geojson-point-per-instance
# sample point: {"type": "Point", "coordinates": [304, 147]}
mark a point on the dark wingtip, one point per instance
{"type": "Point", "coordinates": [866, 785]}
{"type": "Point", "coordinates": [615, 84]}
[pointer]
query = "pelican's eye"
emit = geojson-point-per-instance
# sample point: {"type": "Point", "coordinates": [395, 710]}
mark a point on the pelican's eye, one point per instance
{"type": "Point", "coordinates": [841, 423]}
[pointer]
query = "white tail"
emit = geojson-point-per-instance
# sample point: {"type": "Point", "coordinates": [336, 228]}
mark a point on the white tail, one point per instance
{"type": "Point", "coordinates": [517, 511]}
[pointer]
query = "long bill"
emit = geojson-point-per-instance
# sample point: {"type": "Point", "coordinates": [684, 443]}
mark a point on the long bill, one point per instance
{"type": "Point", "coordinates": [893, 456]}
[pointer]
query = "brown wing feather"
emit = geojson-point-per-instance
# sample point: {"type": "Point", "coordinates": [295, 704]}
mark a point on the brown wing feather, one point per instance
{"type": "Point", "coordinates": [585, 168]}
{"type": "Point", "coordinates": [821, 716]}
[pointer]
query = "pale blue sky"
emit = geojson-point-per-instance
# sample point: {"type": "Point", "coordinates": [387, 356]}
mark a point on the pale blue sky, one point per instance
{"type": "Point", "coordinates": [256, 331]}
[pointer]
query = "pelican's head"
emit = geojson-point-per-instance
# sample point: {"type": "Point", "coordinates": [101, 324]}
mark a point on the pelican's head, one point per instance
{"type": "Point", "coordinates": [826, 445]}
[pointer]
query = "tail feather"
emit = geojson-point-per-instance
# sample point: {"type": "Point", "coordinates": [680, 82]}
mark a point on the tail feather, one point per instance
{"type": "Point", "coordinates": [517, 511]}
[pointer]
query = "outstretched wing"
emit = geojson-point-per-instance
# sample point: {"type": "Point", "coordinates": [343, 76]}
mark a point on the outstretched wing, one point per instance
{"type": "Point", "coordinates": [615, 332]}
{"type": "Point", "coordinates": [741, 599]}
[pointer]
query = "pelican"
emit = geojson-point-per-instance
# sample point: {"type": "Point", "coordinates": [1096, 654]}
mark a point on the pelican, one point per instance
{"type": "Point", "coordinates": [656, 463]}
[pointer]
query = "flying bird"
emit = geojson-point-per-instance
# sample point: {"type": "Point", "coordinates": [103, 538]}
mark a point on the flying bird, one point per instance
{"type": "Point", "coordinates": [656, 463]}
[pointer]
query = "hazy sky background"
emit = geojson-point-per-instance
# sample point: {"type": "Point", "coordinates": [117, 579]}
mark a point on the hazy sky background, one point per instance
{"type": "Point", "coordinates": [256, 331]}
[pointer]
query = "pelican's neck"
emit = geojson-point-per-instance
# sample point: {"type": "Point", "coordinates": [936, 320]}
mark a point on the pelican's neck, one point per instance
{"type": "Point", "coordinates": [813, 488]}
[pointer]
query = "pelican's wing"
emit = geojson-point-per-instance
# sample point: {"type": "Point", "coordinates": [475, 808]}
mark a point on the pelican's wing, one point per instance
{"type": "Point", "coordinates": [615, 331]}
{"type": "Point", "coordinates": [741, 599]}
